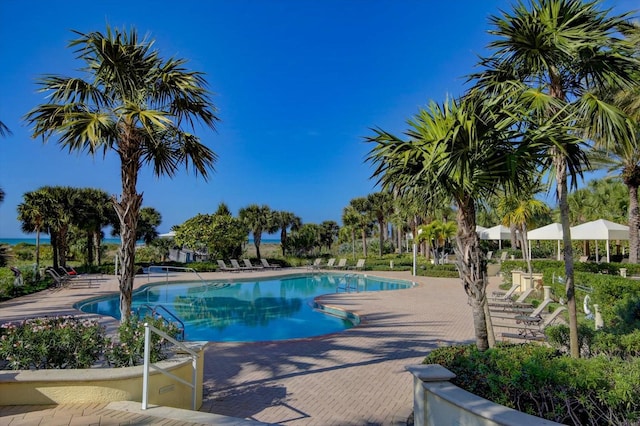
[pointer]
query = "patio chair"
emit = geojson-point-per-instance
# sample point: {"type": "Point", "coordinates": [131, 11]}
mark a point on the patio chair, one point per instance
{"type": "Point", "coordinates": [268, 265]}
{"type": "Point", "coordinates": [501, 295]}
{"type": "Point", "coordinates": [359, 265]}
{"type": "Point", "coordinates": [316, 264]}
{"type": "Point", "coordinates": [342, 264]}
{"type": "Point", "coordinates": [509, 304]}
{"type": "Point", "coordinates": [330, 263]}
{"type": "Point", "coordinates": [224, 268]}
{"type": "Point", "coordinates": [250, 265]}
{"type": "Point", "coordinates": [534, 329]}
{"type": "Point", "coordinates": [236, 265]}
{"type": "Point", "coordinates": [59, 280]}
{"type": "Point", "coordinates": [536, 314]}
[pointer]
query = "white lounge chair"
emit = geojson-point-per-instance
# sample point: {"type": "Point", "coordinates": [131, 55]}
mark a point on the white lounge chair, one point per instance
{"type": "Point", "coordinates": [268, 265]}
{"type": "Point", "coordinates": [342, 264]}
{"type": "Point", "coordinates": [316, 264]}
{"type": "Point", "coordinates": [237, 266]}
{"type": "Point", "coordinates": [509, 304]}
{"type": "Point", "coordinates": [359, 265]}
{"type": "Point", "coordinates": [501, 295]}
{"type": "Point", "coordinates": [250, 265]}
{"type": "Point", "coordinates": [224, 268]}
{"type": "Point", "coordinates": [330, 263]}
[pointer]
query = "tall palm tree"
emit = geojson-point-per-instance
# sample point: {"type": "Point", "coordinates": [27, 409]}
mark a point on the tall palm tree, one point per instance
{"type": "Point", "coordinates": [285, 221]}
{"type": "Point", "coordinates": [258, 219]}
{"type": "Point", "coordinates": [350, 220]}
{"type": "Point", "coordinates": [32, 213]}
{"type": "Point", "coordinates": [557, 50]}
{"type": "Point", "coordinates": [362, 208]}
{"type": "Point", "coordinates": [96, 212]}
{"type": "Point", "coordinates": [381, 207]}
{"type": "Point", "coordinates": [463, 149]}
{"type": "Point", "coordinates": [138, 105]}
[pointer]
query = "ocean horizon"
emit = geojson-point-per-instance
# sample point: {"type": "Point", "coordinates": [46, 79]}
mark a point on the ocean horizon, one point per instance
{"type": "Point", "coordinates": [32, 241]}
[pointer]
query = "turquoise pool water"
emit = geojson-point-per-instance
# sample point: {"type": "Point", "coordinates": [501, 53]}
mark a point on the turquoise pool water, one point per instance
{"type": "Point", "coordinates": [249, 310]}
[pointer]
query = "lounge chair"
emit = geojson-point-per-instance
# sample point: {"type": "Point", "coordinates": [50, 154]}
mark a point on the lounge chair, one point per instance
{"type": "Point", "coordinates": [489, 255]}
{"type": "Point", "coordinates": [359, 265]}
{"type": "Point", "coordinates": [267, 265]}
{"type": "Point", "coordinates": [534, 330]}
{"type": "Point", "coordinates": [57, 278]}
{"type": "Point", "coordinates": [501, 295]}
{"type": "Point", "coordinates": [536, 315]}
{"type": "Point", "coordinates": [316, 264]}
{"type": "Point", "coordinates": [330, 263]}
{"type": "Point", "coordinates": [509, 304]}
{"type": "Point", "coordinates": [224, 268]}
{"type": "Point", "coordinates": [342, 264]}
{"type": "Point", "coordinates": [503, 256]}
{"type": "Point", "coordinates": [236, 265]}
{"type": "Point", "coordinates": [250, 265]}
{"type": "Point", "coordinates": [583, 259]}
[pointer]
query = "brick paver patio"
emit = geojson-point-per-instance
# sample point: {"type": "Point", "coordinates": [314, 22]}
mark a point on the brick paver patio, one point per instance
{"type": "Point", "coordinates": [355, 377]}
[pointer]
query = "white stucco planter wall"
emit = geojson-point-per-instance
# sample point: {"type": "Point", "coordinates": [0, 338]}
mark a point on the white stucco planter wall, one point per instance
{"type": "Point", "coordinates": [438, 402]}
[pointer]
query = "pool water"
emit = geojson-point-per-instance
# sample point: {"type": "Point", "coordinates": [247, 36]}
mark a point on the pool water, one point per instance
{"type": "Point", "coordinates": [276, 308]}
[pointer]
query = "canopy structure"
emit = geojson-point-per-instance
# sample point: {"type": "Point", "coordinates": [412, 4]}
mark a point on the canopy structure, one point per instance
{"type": "Point", "coordinates": [600, 230]}
{"type": "Point", "coordinates": [552, 231]}
{"type": "Point", "coordinates": [167, 235]}
{"type": "Point", "coordinates": [498, 232]}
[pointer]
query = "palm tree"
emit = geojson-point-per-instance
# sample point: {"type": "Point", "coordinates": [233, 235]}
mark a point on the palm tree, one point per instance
{"type": "Point", "coordinates": [362, 208]}
{"type": "Point", "coordinates": [381, 207]}
{"type": "Point", "coordinates": [32, 213]}
{"type": "Point", "coordinates": [329, 231]}
{"type": "Point", "coordinates": [555, 51]}
{"type": "Point", "coordinates": [350, 220]}
{"type": "Point", "coordinates": [96, 212]}
{"type": "Point", "coordinates": [136, 104]}
{"type": "Point", "coordinates": [258, 219]}
{"type": "Point", "coordinates": [286, 220]}
{"type": "Point", "coordinates": [460, 149]}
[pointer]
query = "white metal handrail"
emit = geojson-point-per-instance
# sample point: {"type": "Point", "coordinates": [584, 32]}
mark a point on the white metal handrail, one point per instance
{"type": "Point", "coordinates": [148, 328]}
{"type": "Point", "coordinates": [168, 268]}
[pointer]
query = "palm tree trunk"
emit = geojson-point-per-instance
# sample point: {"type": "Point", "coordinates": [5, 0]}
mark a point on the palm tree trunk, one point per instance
{"type": "Point", "coordinates": [634, 223]}
{"type": "Point", "coordinates": [472, 266]}
{"type": "Point", "coordinates": [382, 237]}
{"type": "Point", "coordinates": [283, 240]}
{"type": "Point", "coordinates": [37, 252]}
{"type": "Point", "coordinates": [256, 243]}
{"type": "Point", "coordinates": [562, 190]}
{"type": "Point", "coordinates": [364, 242]}
{"type": "Point", "coordinates": [128, 209]}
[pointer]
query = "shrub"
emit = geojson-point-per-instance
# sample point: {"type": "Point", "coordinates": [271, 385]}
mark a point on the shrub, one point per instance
{"type": "Point", "coordinates": [56, 342]}
{"type": "Point", "coordinates": [543, 382]}
{"type": "Point", "coordinates": [129, 351]}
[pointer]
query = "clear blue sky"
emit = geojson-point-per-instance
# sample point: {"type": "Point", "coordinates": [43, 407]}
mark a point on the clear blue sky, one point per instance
{"type": "Point", "coordinates": [298, 84]}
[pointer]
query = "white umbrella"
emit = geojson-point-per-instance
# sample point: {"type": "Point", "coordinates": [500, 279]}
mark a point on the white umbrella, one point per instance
{"type": "Point", "coordinates": [600, 230]}
{"type": "Point", "coordinates": [553, 231]}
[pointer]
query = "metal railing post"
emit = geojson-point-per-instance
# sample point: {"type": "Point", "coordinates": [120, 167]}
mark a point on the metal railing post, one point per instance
{"type": "Point", "coordinates": [145, 371]}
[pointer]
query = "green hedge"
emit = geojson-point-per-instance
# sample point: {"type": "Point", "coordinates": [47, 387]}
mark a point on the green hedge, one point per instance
{"type": "Point", "coordinates": [543, 382]}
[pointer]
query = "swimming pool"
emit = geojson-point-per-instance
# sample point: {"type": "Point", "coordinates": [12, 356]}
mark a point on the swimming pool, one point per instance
{"type": "Point", "coordinates": [243, 310]}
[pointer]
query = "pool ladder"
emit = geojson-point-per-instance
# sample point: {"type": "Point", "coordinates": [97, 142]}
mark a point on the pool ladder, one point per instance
{"type": "Point", "coordinates": [159, 311]}
{"type": "Point", "coordinates": [347, 283]}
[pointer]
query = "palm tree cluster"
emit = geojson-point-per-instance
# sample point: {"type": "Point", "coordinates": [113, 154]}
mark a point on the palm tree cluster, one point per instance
{"type": "Point", "coordinates": [66, 213]}
{"type": "Point", "coordinates": [540, 101]}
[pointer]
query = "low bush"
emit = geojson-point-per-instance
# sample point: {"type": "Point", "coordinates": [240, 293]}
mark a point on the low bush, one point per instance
{"type": "Point", "coordinates": [57, 342]}
{"type": "Point", "coordinates": [70, 342]}
{"type": "Point", "coordinates": [543, 382]}
{"type": "Point", "coordinates": [129, 350]}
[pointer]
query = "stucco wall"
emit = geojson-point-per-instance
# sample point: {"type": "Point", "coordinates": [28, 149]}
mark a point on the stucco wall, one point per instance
{"type": "Point", "coordinates": [438, 402]}
{"type": "Point", "coordinates": [42, 387]}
